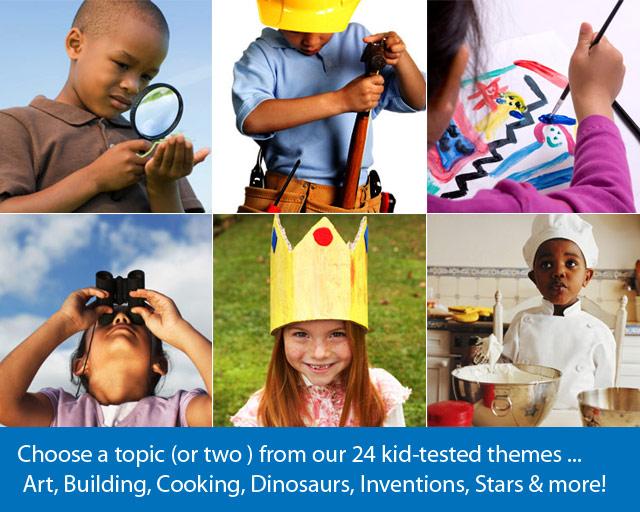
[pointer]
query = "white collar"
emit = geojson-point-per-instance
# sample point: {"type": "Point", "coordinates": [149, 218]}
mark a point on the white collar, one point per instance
{"type": "Point", "coordinates": [113, 414]}
{"type": "Point", "coordinates": [548, 308]}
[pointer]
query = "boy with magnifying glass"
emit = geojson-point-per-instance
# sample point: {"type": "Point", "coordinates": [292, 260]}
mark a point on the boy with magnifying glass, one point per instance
{"type": "Point", "coordinates": [73, 153]}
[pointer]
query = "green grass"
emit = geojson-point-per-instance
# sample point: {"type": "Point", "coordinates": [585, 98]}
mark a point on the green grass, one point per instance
{"type": "Point", "coordinates": [396, 339]}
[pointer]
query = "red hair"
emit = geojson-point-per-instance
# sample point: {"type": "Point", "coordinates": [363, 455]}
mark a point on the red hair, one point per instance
{"type": "Point", "coordinates": [284, 401]}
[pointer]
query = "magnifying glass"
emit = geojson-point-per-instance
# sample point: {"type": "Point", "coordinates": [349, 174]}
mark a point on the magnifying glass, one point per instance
{"type": "Point", "coordinates": [156, 112]}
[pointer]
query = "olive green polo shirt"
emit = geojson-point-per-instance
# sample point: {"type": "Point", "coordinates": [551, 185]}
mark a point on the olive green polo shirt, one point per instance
{"type": "Point", "coordinates": [47, 141]}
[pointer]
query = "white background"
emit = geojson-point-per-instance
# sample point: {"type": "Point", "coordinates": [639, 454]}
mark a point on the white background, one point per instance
{"type": "Point", "coordinates": [400, 139]}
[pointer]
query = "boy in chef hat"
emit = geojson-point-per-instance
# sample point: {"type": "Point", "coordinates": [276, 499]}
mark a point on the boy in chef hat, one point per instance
{"type": "Point", "coordinates": [562, 254]}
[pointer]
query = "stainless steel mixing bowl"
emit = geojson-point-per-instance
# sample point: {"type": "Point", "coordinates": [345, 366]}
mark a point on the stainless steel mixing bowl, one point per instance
{"type": "Point", "coordinates": [509, 405]}
{"type": "Point", "coordinates": [610, 407]}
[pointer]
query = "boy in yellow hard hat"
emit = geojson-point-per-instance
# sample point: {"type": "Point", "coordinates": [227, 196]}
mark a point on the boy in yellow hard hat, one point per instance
{"type": "Point", "coordinates": [294, 92]}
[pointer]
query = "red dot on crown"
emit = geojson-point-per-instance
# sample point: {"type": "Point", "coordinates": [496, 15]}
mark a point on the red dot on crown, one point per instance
{"type": "Point", "coordinates": [323, 236]}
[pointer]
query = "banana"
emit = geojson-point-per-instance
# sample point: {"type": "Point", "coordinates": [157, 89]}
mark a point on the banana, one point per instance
{"type": "Point", "coordinates": [466, 318]}
{"type": "Point", "coordinates": [469, 314]}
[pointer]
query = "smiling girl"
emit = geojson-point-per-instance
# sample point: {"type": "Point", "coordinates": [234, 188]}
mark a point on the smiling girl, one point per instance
{"type": "Point", "coordinates": [119, 364]}
{"type": "Point", "coordinates": [319, 371]}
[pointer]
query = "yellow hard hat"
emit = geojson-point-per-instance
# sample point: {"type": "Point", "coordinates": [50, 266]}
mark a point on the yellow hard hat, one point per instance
{"type": "Point", "coordinates": [317, 16]}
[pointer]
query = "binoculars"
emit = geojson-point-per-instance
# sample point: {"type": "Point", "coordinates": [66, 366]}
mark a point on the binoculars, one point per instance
{"type": "Point", "coordinates": [119, 288]}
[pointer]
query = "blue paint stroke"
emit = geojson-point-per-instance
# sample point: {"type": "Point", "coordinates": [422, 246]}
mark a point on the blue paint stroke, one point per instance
{"type": "Point", "coordinates": [432, 188]}
{"type": "Point", "coordinates": [488, 75]}
{"type": "Point", "coordinates": [515, 158]}
{"type": "Point", "coordinates": [556, 119]}
{"type": "Point", "coordinates": [525, 175]}
{"type": "Point", "coordinates": [552, 179]}
{"type": "Point", "coordinates": [274, 240]}
{"type": "Point", "coordinates": [453, 146]}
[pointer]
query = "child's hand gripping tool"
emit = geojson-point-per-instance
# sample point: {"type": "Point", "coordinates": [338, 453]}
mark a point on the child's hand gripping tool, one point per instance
{"type": "Point", "coordinates": [374, 60]}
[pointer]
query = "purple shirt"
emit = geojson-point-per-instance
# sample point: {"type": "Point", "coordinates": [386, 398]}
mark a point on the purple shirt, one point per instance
{"type": "Point", "coordinates": [601, 181]}
{"type": "Point", "coordinates": [151, 411]}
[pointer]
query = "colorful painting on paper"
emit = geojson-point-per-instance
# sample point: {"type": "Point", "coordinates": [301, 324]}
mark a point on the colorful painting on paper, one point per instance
{"type": "Point", "coordinates": [501, 129]}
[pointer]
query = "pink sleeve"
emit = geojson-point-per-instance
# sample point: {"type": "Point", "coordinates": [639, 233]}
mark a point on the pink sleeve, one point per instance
{"type": "Point", "coordinates": [247, 416]}
{"type": "Point", "coordinates": [185, 399]}
{"type": "Point", "coordinates": [392, 392]}
{"type": "Point", "coordinates": [601, 181]}
{"type": "Point", "coordinates": [54, 397]}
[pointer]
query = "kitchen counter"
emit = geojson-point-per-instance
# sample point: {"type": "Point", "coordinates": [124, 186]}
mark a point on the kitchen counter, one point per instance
{"type": "Point", "coordinates": [441, 324]}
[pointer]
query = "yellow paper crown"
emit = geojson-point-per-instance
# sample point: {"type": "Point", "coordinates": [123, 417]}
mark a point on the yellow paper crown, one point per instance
{"type": "Point", "coordinates": [323, 278]}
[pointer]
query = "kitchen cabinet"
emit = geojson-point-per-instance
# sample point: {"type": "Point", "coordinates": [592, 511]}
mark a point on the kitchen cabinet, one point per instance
{"type": "Point", "coordinates": [439, 365]}
{"type": "Point", "coordinates": [630, 363]}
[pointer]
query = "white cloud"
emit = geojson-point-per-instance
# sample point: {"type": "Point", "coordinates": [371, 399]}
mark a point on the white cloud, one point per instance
{"type": "Point", "coordinates": [198, 228]}
{"type": "Point", "coordinates": [129, 239]}
{"type": "Point", "coordinates": [55, 370]}
{"type": "Point", "coordinates": [34, 244]}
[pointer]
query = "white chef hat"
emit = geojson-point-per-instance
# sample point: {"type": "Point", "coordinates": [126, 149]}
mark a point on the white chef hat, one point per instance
{"type": "Point", "coordinates": [567, 226]}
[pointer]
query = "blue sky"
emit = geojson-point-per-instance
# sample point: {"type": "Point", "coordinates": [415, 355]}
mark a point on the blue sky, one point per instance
{"type": "Point", "coordinates": [34, 62]}
{"type": "Point", "coordinates": [45, 257]}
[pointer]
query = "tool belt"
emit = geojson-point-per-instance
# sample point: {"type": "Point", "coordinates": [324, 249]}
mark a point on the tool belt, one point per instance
{"type": "Point", "coordinates": [304, 196]}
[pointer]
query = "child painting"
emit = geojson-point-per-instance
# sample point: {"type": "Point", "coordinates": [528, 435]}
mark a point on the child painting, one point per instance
{"type": "Point", "coordinates": [601, 178]}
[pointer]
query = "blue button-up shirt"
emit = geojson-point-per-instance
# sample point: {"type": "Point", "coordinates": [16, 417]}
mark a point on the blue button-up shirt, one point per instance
{"type": "Point", "coordinates": [272, 69]}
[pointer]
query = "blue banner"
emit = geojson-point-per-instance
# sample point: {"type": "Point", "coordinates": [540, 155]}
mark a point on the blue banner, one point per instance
{"type": "Point", "coordinates": [239, 469]}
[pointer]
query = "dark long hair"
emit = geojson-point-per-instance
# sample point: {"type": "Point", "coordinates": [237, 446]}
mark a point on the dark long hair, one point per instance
{"type": "Point", "coordinates": [157, 352]}
{"type": "Point", "coordinates": [450, 23]}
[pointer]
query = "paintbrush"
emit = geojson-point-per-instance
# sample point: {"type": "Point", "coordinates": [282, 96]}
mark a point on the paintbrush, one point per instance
{"type": "Point", "coordinates": [597, 39]}
{"type": "Point", "coordinates": [627, 120]}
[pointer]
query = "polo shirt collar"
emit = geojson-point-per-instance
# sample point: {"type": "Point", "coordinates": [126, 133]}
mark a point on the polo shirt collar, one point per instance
{"type": "Point", "coordinates": [70, 114]}
{"type": "Point", "coordinates": [275, 39]}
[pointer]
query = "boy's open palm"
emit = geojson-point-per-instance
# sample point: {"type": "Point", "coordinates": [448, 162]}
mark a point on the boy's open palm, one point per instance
{"type": "Point", "coordinates": [173, 159]}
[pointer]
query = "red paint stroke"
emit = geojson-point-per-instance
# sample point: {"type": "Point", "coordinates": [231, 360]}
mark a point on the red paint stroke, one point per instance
{"type": "Point", "coordinates": [553, 76]}
{"type": "Point", "coordinates": [323, 236]}
{"type": "Point", "coordinates": [439, 173]}
{"type": "Point", "coordinates": [489, 93]}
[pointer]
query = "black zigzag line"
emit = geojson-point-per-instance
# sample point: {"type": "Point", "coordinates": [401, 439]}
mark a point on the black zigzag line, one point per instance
{"type": "Point", "coordinates": [462, 179]}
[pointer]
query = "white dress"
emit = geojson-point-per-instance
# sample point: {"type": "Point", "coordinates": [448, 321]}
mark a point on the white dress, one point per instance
{"type": "Point", "coordinates": [578, 344]}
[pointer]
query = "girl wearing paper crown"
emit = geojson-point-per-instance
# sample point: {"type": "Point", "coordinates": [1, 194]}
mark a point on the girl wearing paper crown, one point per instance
{"type": "Point", "coordinates": [319, 372]}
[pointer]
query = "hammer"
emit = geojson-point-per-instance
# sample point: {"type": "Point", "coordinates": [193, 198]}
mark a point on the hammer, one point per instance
{"type": "Point", "coordinates": [373, 58]}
